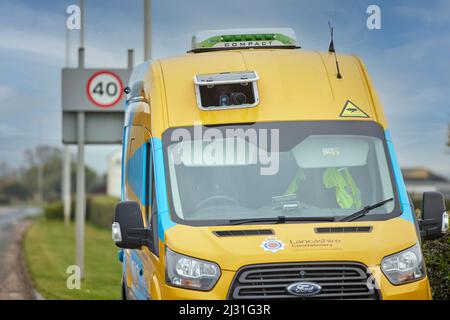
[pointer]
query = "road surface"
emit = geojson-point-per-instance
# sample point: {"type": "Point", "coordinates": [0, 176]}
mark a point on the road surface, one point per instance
{"type": "Point", "coordinates": [14, 282]}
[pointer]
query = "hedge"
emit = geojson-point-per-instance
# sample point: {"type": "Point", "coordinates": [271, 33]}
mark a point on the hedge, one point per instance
{"type": "Point", "coordinates": [437, 260]}
{"type": "Point", "coordinates": [101, 211]}
{"type": "Point", "coordinates": [55, 211]}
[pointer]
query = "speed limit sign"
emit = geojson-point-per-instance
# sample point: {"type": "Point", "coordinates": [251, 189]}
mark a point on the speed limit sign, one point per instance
{"type": "Point", "coordinates": [104, 89]}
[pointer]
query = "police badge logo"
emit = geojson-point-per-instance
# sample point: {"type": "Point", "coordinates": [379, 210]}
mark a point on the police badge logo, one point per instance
{"type": "Point", "coordinates": [272, 244]}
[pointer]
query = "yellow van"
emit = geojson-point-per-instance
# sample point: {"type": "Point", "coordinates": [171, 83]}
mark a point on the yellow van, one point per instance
{"type": "Point", "coordinates": [253, 169]}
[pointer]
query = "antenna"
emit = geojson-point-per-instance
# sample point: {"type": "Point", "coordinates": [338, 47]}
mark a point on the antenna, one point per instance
{"type": "Point", "coordinates": [331, 47]}
{"type": "Point", "coordinates": [332, 50]}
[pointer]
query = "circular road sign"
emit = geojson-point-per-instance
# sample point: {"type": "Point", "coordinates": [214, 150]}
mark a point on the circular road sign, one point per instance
{"type": "Point", "coordinates": [104, 89]}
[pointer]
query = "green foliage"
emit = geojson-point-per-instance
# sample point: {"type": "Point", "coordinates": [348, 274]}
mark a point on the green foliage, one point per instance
{"type": "Point", "coordinates": [101, 211]}
{"type": "Point", "coordinates": [437, 259]}
{"type": "Point", "coordinates": [55, 210]}
{"type": "Point", "coordinates": [14, 190]}
{"type": "Point", "coordinates": [4, 199]}
{"type": "Point", "coordinates": [22, 185]}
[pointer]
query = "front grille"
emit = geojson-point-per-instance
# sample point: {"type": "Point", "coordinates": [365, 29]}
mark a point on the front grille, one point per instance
{"type": "Point", "coordinates": [339, 280]}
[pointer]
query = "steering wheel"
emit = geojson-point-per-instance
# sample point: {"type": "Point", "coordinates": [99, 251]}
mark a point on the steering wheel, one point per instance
{"type": "Point", "coordinates": [212, 198]}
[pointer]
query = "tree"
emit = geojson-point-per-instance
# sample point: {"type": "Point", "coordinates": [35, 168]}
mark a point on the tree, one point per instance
{"type": "Point", "coordinates": [50, 158]}
{"type": "Point", "coordinates": [23, 184]}
{"type": "Point", "coordinates": [16, 190]}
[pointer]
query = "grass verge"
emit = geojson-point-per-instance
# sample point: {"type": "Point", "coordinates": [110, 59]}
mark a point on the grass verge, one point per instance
{"type": "Point", "coordinates": [49, 249]}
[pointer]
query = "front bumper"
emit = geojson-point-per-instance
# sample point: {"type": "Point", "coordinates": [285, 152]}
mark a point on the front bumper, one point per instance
{"type": "Point", "coordinates": [418, 290]}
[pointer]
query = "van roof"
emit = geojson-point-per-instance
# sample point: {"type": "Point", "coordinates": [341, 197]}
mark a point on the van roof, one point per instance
{"type": "Point", "coordinates": [294, 85]}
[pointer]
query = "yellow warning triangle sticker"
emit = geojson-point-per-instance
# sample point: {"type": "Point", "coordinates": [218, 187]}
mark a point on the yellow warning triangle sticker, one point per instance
{"type": "Point", "coordinates": [352, 111]}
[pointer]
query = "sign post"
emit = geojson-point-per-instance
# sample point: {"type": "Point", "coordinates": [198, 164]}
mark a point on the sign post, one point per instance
{"type": "Point", "coordinates": [80, 207]}
{"type": "Point", "coordinates": [93, 113]}
{"type": "Point", "coordinates": [147, 29]}
{"type": "Point", "coordinates": [67, 169]}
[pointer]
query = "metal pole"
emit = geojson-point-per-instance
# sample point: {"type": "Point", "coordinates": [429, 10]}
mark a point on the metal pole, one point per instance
{"type": "Point", "coordinates": [67, 164]}
{"type": "Point", "coordinates": [80, 58]}
{"type": "Point", "coordinates": [66, 167]}
{"type": "Point", "coordinates": [147, 30]}
{"type": "Point", "coordinates": [130, 58]}
{"type": "Point", "coordinates": [81, 199]}
{"type": "Point", "coordinates": [67, 60]}
{"type": "Point", "coordinates": [82, 24]}
{"type": "Point", "coordinates": [80, 206]}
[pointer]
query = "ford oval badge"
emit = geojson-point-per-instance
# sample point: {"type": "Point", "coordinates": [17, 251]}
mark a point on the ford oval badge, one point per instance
{"type": "Point", "coordinates": [304, 289]}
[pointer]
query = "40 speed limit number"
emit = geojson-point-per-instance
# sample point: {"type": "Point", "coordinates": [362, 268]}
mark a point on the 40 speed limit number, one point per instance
{"type": "Point", "coordinates": [104, 89]}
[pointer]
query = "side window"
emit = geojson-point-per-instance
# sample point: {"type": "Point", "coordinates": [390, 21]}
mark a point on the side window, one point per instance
{"type": "Point", "coordinates": [151, 207]}
{"type": "Point", "coordinates": [154, 219]}
{"type": "Point", "coordinates": [154, 210]}
{"type": "Point", "coordinates": [148, 183]}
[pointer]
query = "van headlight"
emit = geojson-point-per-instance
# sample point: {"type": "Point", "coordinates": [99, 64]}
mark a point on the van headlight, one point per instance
{"type": "Point", "coordinates": [187, 272]}
{"type": "Point", "coordinates": [405, 266]}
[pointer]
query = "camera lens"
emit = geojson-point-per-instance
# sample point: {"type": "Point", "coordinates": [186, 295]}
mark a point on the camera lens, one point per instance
{"type": "Point", "coordinates": [238, 98]}
{"type": "Point", "coordinates": [224, 100]}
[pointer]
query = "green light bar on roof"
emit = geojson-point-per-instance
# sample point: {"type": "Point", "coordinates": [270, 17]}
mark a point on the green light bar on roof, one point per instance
{"type": "Point", "coordinates": [244, 38]}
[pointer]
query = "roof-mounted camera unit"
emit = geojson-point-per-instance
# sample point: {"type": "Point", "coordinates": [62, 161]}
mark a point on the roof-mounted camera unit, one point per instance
{"type": "Point", "coordinates": [227, 90]}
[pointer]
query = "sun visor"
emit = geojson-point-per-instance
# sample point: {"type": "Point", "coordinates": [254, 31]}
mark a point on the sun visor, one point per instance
{"type": "Point", "coordinates": [331, 151]}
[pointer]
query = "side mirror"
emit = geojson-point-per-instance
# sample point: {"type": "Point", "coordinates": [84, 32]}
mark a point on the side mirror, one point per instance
{"type": "Point", "coordinates": [434, 223]}
{"type": "Point", "coordinates": [128, 230]}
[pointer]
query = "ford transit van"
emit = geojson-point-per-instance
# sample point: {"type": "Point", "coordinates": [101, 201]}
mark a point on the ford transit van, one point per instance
{"type": "Point", "coordinates": [254, 169]}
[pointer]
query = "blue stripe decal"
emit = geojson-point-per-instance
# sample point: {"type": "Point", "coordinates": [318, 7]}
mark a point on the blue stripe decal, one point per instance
{"type": "Point", "coordinates": [407, 213]}
{"type": "Point", "coordinates": [164, 221]}
{"type": "Point", "coordinates": [124, 263]}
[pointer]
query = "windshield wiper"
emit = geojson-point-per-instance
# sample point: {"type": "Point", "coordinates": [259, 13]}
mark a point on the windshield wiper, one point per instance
{"type": "Point", "coordinates": [280, 219]}
{"type": "Point", "coordinates": [364, 211]}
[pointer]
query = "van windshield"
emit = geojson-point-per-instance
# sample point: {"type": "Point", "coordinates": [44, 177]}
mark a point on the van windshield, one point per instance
{"type": "Point", "coordinates": [272, 169]}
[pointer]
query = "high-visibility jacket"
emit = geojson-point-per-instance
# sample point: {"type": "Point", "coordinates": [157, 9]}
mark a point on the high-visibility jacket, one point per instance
{"type": "Point", "coordinates": [348, 195]}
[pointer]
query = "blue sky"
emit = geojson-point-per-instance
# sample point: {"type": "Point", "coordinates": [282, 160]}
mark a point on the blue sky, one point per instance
{"type": "Point", "coordinates": [408, 59]}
